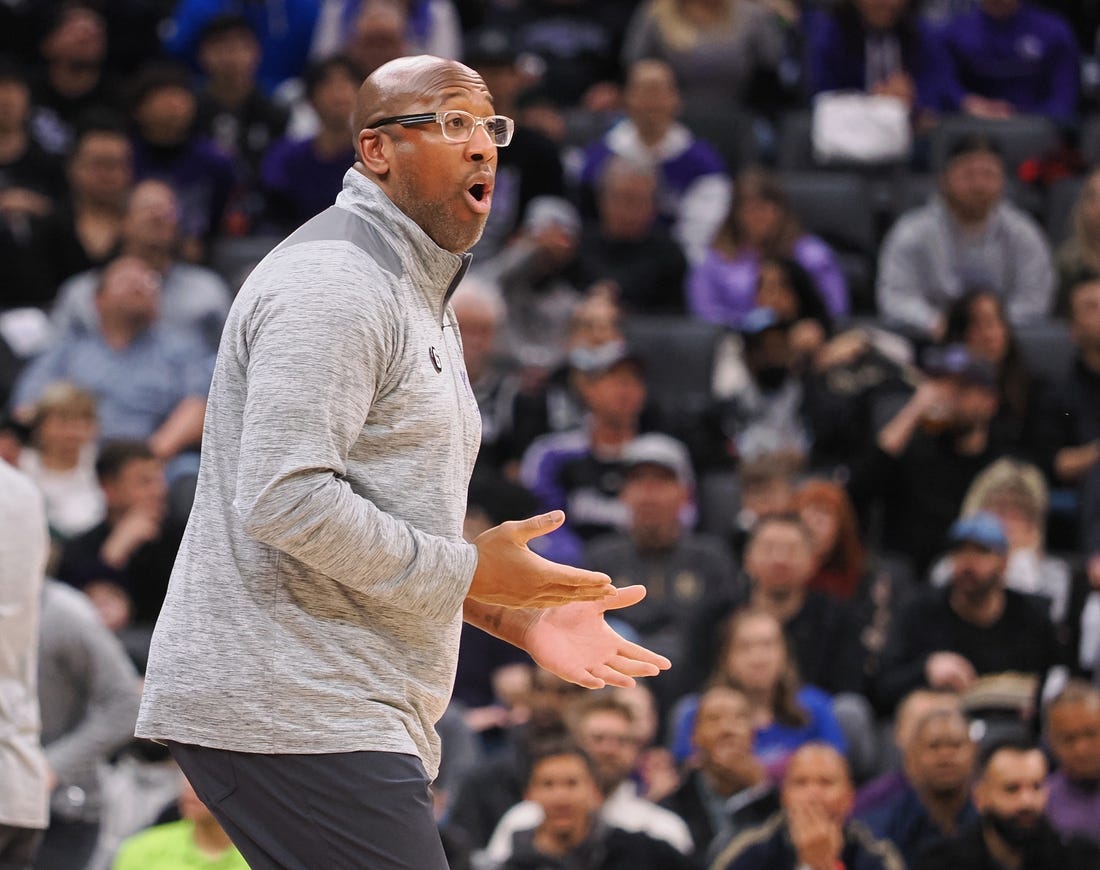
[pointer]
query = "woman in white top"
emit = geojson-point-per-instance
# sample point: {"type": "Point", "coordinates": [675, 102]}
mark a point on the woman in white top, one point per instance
{"type": "Point", "coordinates": [61, 458]}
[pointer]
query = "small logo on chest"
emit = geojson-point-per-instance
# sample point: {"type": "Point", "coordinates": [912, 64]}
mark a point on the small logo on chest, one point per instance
{"type": "Point", "coordinates": [434, 357]}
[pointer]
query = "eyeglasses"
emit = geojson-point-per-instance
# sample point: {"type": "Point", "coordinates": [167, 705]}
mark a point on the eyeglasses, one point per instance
{"type": "Point", "coordinates": [458, 126]}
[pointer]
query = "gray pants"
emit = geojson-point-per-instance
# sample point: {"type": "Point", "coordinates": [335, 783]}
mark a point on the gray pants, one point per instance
{"type": "Point", "coordinates": [299, 812]}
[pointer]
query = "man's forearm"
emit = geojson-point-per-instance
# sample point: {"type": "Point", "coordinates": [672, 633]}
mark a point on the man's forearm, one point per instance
{"type": "Point", "coordinates": [508, 623]}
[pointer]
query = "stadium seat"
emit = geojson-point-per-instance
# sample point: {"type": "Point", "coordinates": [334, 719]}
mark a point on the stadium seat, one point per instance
{"type": "Point", "coordinates": [1046, 348]}
{"type": "Point", "coordinates": [1060, 201]}
{"type": "Point", "coordinates": [679, 358]}
{"type": "Point", "coordinates": [1018, 138]}
{"type": "Point", "coordinates": [729, 131]}
{"type": "Point", "coordinates": [838, 206]}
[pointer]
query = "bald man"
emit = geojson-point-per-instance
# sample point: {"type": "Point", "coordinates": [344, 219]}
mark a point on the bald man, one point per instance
{"type": "Point", "coordinates": [308, 641]}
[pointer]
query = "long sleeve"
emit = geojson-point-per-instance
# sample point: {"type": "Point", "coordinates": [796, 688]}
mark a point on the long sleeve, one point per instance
{"type": "Point", "coordinates": [1032, 292]}
{"type": "Point", "coordinates": [97, 671]}
{"type": "Point", "coordinates": [297, 433]}
{"type": "Point", "coordinates": [901, 292]}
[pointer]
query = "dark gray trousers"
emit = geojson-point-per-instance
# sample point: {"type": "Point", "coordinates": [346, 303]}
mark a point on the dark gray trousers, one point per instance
{"type": "Point", "coordinates": [18, 847]}
{"type": "Point", "coordinates": [339, 811]}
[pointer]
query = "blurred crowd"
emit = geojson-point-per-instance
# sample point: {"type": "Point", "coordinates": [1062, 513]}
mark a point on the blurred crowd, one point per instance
{"type": "Point", "coordinates": [793, 306]}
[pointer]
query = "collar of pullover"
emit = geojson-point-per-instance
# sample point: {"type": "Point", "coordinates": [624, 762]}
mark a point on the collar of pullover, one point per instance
{"type": "Point", "coordinates": [434, 271]}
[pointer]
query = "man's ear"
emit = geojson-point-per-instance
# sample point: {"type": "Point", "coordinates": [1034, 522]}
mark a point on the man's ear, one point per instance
{"type": "Point", "coordinates": [372, 152]}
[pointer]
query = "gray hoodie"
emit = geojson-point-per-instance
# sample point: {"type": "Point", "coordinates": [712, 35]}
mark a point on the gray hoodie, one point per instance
{"type": "Point", "coordinates": [316, 602]}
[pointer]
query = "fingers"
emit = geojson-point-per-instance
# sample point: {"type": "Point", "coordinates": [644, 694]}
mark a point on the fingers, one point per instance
{"type": "Point", "coordinates": [641, 654]}
{"type": "Point", "coordinates": [633, 667]}
{"type": "Point", "coordinates": [625, 597]}
{"type": "Point", "coordinates": [533, 527]}
{"type": "Point", "coordinates": [611, 677]}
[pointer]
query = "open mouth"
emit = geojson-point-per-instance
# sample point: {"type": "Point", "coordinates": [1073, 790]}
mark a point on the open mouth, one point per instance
{"type": "Point", "coordinates": [480, 197]}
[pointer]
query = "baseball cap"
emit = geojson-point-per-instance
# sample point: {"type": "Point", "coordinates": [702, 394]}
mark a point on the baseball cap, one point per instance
{"type": "Point", "coordinates": [662, 450]}
{"type": "Point", "coordinates": [603, 358]}
{"type": "Point", "coordinates": [982, 529]}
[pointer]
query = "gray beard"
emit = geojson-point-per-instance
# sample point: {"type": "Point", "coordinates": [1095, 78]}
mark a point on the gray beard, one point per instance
{"type": "Point", "coordinates": [429, 217]}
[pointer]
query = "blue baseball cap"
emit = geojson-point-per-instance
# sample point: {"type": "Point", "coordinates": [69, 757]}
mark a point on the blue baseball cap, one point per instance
{"type": "Point", "coordinates": [982, 529]}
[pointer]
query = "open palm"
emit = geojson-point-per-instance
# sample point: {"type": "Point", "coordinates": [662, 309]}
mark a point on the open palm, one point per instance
{"type": "Point", "coordinates": [575, 642]}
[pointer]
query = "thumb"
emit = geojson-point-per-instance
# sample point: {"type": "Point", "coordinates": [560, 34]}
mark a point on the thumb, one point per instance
{"type": "Point", "coordinates": [534, 527]}
{"type": "Point", "coordinates": [624, 596]}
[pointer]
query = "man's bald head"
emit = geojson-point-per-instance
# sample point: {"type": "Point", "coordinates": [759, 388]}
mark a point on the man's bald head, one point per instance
{"type": "Point", "coordinates": [410, 84]}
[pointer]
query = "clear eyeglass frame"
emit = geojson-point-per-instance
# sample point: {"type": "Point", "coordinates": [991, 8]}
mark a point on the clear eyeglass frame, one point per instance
{"type": "Point", "coordinates": [458, 126]}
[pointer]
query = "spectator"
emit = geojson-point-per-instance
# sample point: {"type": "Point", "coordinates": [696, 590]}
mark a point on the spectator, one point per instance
{"type": "Point", "coordinates": [1078, 259]}
{"type": "Point", "coordinates": [551, 401]}
{"type": "Point", "coordinates": [766, 485]}
{"type": "Point", "coordinates": [530, 168]}
{"type": "Point", "coordinates": [73, 81]}
{"type": "Point", "coordinates": [682, 572]}
{"type": "Point", "coordinates": [563, 783]}
{"type": "Point", "coordinates": [61, 459]}
{"type": "Point", "coordinates": [977, 321]}
{"type": "Point", "coordinates": [149, 381]}
{"type": "Point", "coordinates": [813, 829]}
{"type": "Point", "coordinates": [1072, 416]}
{"type": "Point", "coordinates": [85, 230]}
{"type": "Point", "coordinates": [628, 248]}
{"type": "Point", "coordinates": [760, 223]}
{"type": "Point", "coordinates": [302, 178]}
{"type": "Point", "coordinates": [1073, 732]}
{"type": "Point", "coordinates": [576, 48]}
{"type": "Point", "coordinates": [480, 312]}
{"type": "Point", "coordinates": [882, 48]}
{"type": "Point", "coordinates": [726, 789]}
{"type": "Point", "coordinates": [31, 180]}
{"type": "Point", "coordinates": [779, 562]}
{"type": "Point", "coordinates": [604, 729]}
{"type": "Point", "coordinates": [1016, 493]}
{"type": "Point", "coordinates": [876, 589]}
{"type": "Point", "coordinates": [788, 290]}
{"type": "Point", "coordinates": [694, 186]}
{"type": "Point", "coordinates": [768, 413]}
{"type": "Point", "coordinates": [431, 26]}
{"type": "Point", "coordinates": [24, 543]}
{"type": "Point", "coordinates": [716, 49]}
{"type": "Point", "coordinates": [756, 659]}
{"type": "Point", "coordinates": [581, 471]}
{"type": "Point", "coordinates": [196, 841]}
{"type": "Point", "coordinates": [924, 459]}
{"type": "Point", "coordinates": [489, 791]}
{"type": "Point", "coordinates": [1014, 830]}
{"type": "Point", "coordinates": [537, 274]}
{"type": "Point", "coordinates": [284, 30]}
{"type": "Point", "coordinates": [233, 112]}
{"type": "Point", "coordinates": [166, 147]}
{"type": "Point", "coordinates": [968, 235]}
{"type": "Point", "coordinates": [913, 708]}
{"type": "Point", "coordinates": [194, 299]}
{"type": "Point", "coordinates": [939, 762]}
{"type": "Point", "coordinates": [950, 639]}
{"type": "Point", "coordinates": [124, 562]}
{"type": "Point", "coordinates": [1010, 57]}
{"type": "Point", "coordinates": [89, 693]}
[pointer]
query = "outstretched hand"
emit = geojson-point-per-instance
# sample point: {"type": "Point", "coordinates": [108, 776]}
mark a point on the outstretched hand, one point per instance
{"type": "Point", "coordinates": [575, 642]}
{"type": "Point", "coordinates": [509, 574]}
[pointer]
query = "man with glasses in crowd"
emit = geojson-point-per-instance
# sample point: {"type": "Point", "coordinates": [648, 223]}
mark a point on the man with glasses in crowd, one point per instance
{"type": "Point", "coordinates": [309, 638]}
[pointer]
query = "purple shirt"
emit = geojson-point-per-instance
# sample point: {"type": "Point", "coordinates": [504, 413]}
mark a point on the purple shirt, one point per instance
{"type": "Point", "coordinates": [723, 289]}
{"type": "Point", "coordinates": [1029, 59]}
{"type": "Point", "coordinates": [1072, 809]}
{"type": "Point", "coordinates": [299, 182]}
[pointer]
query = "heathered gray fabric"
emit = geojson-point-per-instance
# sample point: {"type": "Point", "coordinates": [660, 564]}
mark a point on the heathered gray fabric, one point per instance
{"type": "Point", "coordinates": [316, 602]}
